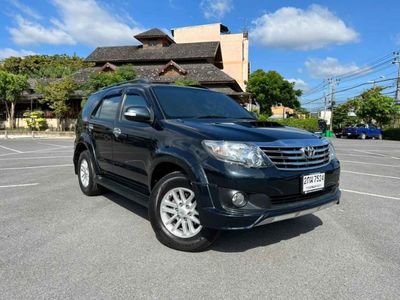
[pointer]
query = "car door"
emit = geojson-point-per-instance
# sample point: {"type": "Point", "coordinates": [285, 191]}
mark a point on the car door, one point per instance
{"type": "Point", "coordinates": [374, 131]}
{"type": "Point", "coordinates": [101, 127]}
{"type": "Point", "coordinates": [135, 142]}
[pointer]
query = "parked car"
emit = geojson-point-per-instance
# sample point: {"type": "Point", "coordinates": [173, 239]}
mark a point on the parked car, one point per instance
{"type": "Point", "coordinates": [362, 131]}
{"type": "Point", "coordinates": [199, 161]}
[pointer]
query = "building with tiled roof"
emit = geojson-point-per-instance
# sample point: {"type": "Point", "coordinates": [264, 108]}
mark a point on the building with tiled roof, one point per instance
{"type": "Point", "coordinates": [160, 59]}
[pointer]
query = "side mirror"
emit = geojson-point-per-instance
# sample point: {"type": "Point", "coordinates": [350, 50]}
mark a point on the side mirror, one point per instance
{"type": "Point", "coordinates": [138, 114]}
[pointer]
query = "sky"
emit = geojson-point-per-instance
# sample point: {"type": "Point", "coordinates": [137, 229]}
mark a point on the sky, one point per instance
{"type": "Point", "coordinates": [305, 41]}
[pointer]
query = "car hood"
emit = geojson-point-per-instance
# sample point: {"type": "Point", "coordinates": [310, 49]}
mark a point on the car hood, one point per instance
{"type": "Point", "coordinates": [239, 130]}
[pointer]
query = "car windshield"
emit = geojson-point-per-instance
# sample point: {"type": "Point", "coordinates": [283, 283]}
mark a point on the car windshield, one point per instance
{"type": "Point", "coordinates": [181, 103]}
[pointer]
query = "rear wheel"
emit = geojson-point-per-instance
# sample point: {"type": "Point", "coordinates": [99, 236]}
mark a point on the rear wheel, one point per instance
{"type": "Point", "coordinates": [86, 175]}
{"type": "Point", "coordinates": [173, 213]}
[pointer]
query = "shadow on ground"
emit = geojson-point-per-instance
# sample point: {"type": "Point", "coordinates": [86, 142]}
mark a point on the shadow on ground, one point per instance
{"type": "Point", "coordinates": [240, 240]}
{"type": "Point", "coordinates": [130, 205]}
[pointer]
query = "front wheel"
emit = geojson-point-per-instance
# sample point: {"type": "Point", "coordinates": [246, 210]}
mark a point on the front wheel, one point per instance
{"type": "Point", "coordinates": [173, 213]}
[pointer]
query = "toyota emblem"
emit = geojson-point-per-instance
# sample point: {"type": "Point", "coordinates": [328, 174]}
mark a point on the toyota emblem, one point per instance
{"type": "Point", "coordinates": [308, 151]}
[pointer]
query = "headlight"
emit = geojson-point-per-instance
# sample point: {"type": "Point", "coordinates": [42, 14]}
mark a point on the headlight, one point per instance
{"type": "Point", "coordinates": [246, 154]}
{"type": "Point", "coordinates": [332, 152]}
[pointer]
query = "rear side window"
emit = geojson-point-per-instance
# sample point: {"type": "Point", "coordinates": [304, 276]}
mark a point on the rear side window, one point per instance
{"type": "Point", "coordinates": [108, 108]}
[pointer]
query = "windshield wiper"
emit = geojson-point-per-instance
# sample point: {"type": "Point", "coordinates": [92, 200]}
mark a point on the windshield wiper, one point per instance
{"type": "Point", "coordinates": [211, 117]}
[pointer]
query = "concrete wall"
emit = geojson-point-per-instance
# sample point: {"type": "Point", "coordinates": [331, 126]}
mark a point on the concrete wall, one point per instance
{"type": "Point", "coordinates": [234, 48]}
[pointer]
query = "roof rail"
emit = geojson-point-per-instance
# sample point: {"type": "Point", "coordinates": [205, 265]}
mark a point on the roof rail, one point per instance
{"type": "Point", "coordinates": [140, 80]}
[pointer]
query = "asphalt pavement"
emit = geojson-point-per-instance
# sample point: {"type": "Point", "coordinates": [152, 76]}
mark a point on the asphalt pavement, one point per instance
{"type": "Point", "coordinates": [57, 243]}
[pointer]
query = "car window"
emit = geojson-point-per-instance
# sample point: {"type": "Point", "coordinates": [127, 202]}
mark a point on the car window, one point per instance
{"type": "Point", "coordinates": [179, 102]}
{"type": "Point", "coordinates": [108, 108]}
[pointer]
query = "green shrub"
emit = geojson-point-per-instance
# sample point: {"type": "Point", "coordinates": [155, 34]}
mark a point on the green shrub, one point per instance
{"type": "Point", "coordinates": [35, 120]}
{"type": "Point", "coordinates": [392, 134]}
{"type": "Point", "coordinates": [310, 124]}
{"type": "Point", "coordinates": [263, 117]}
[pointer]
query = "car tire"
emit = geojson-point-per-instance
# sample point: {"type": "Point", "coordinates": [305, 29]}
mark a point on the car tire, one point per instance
{"type": "Point", "coordinates": [363, 136]}
{"type": "Point", "coordinates": [174, 225]}
{"type": "Point", "coordinates": [86, 175]}
{"type": "Point", "coordinates": [380, 137]}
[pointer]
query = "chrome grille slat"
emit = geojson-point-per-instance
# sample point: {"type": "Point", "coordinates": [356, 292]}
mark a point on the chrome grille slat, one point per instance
{"type": "Point", "coordinates": [293, 158]}
{"type": "Point", "coordinates": [310, 162]}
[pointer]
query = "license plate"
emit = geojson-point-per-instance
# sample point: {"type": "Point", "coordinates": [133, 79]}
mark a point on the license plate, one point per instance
{"type": "Point", "coordinates": [313, 182]}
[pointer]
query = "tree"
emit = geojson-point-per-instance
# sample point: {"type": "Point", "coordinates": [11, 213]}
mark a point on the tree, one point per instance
{"type": "Point", "coordinates": [44, 66]}
{"type": "Point", "coordinates": [375, 106]}
{"type": "Point", "coordinates": [56, 94]}
{"type": "Point", "coordinates": [270, 88]}
{"type": "Point", "coordinates": [345, 114]}
{"type": "Point", "coordinates": [186, 82]}
{"type": "Point", "coordinates": [100, 80]}
{"type": "Point", "coordinates": [11, 88]}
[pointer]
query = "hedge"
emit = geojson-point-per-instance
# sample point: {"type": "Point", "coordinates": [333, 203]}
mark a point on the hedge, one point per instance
{"type": "Point", "coordinates": [392, 134]}
{"type": "Point", "coordinates": [310, 124]}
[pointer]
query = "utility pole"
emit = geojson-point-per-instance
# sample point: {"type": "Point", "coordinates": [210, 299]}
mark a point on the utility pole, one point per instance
{"type": "Point", "coordinates": [333, 81]}
{"type": "Point", "coordinates": [396, 61]}
{"type": "Point", "coordinates": [325, 106]}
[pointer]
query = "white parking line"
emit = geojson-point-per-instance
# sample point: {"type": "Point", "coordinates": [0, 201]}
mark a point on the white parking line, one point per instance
{"type": "Point", "coordinates": [367, 163]}
{"type": "Point", "coordinates": [369, 194]}
{"type": "Point", "coordinates": [18, 185]}
{"type": "Point", "coordinates": [36, 157]}
{"type": "Point", "coordinates": [37, 167]}
{"type": "Point", "coordinates": [53, 145]}
{"type": "Point", "coordinates": [369, 174]}
{"type": "Point", "coordinates": [356, 155]}
{"type": "Point", "coordinates": [41, 150]}
{"type": "Point", "coordinates": [367, 152]}
{"type": "Point", "coordinates": [13, 150]}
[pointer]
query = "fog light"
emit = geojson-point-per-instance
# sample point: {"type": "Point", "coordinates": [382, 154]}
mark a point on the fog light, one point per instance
{"type": "Point", "coordinates": [239, 200]}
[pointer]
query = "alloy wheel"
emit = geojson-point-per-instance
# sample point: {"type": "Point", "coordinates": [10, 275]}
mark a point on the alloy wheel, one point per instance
{"type": "Point", "coordinates": [84, 173]}
{"type": "Point", "coordinates": [178, 213]}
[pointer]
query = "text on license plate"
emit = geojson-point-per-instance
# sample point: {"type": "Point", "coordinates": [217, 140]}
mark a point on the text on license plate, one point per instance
{"type": "Point", "coordinates": [313, 182]}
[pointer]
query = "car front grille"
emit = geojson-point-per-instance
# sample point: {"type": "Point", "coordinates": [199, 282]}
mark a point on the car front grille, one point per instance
{"type": "Point", "coordinates": [298, 158]}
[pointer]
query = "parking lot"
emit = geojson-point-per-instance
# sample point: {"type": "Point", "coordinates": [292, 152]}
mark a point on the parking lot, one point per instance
{"type": "Point", "coordinates": [57, 243]}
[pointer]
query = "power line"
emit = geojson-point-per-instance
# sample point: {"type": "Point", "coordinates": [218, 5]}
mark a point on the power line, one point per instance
{"type": "Point", "coordinates": [350, 88]}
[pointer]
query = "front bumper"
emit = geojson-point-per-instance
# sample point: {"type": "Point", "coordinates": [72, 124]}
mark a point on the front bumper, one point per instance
{"type": "Point", "coordinates": [273, 195]}
{"type": "Point", "coordinates": [228, 220]}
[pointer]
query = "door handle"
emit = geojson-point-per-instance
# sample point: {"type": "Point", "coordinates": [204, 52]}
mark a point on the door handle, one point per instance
{"type": "Point", "coordinates": [116, 132]}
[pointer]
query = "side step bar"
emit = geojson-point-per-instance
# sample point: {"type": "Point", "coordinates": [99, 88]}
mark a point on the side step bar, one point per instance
{"type": "Point", "coordinates": [122, 190]}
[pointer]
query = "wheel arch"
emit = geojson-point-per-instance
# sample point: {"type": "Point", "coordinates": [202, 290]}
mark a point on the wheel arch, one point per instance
{"type": "Point", "coordinates": [84, 144]}
{"type": "Point", "coordinates": [166, 164]}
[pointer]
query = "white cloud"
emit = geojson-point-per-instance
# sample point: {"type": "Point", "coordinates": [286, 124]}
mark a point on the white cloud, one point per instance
{"type": "Point", "coordinates": [31, 33]}
{"type": "Point", "coordinates": [25, 9]}
{"type": "Point", "coordinates": [299, 84]}
{"type": "Point", "coordinates": [79, 21]}
{"type": "Point", "coordinates": [216, 9]}
{"type": "Point", "coordinates": [301, 29]}
{"type": "Point", "coordinates": [330, 66]}
{"type": "Point", "coordinates": [8, 52]}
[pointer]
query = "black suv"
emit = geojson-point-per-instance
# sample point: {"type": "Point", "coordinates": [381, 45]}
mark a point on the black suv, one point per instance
{"type": "Point", "coordinates": [199, 161]}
